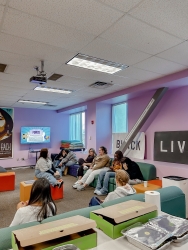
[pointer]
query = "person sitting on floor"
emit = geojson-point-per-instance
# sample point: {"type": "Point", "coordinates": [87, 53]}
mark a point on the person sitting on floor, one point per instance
{"type": "Point", "coordinates": [84, 164]}
{"type": "Point", "coordinates": [133, 170]}
{"type": "Point", "coordinates": [106, 174]}
{"type": "Point", "coordinates": [45, 169]}
{"type": "Point", "coordinates": [69, 159]}
{"type": "Point", "coordinates": [39, 207]}
{"type": "Point", "coordinates": [100, 162]}
{"type": "Point", "coordinates": [122, 189]}
{"type": "Point", "coordinates": [58, 159]}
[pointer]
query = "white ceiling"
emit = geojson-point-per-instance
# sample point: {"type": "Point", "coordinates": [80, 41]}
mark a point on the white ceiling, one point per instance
{"type": "Point", "coordinates": [151, 37]}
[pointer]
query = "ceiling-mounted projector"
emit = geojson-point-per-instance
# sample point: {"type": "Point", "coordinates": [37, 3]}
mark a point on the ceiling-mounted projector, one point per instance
{"type": "Point", "coordinates": [40, 78]}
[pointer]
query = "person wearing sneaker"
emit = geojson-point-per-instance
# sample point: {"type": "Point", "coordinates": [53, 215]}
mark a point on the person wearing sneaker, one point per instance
{"type": "Point", "coordinates": [85, 164]}
{"type": "Point", "coordinates": [44, 169]}
{"type": "Point", "coordinates": [100, 162]}
{"type": "Point", "coordinates": [104, 176]}
{"type": "Point", "coordinates": [122, 189]}
{"type": "Point", "coordinates": [39, 207]}
{"type": "Point", "coordinates": [69, 158]}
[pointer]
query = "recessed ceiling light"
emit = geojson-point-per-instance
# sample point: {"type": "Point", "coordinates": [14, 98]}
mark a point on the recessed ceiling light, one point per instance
{"type": "Point", "coordinates": [54, 90]}
{"type": "Point", "coordinates": [32, 102]}
{"type": "Point", "coordinates": [93, 63]}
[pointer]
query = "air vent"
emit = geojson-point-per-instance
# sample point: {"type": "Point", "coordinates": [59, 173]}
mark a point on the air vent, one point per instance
{"type": "Point", "coordinates": [2, 67]}
{"type": "Point", "coordinates": [100, 85]}
{"type": "Point", "coordinates": [55, 77]}
{"type": "Point", "coordinates": [50, 105]}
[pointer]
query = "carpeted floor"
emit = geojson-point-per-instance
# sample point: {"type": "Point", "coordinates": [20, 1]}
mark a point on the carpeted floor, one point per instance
{"type": "Point", "coordinates": [72, 200]}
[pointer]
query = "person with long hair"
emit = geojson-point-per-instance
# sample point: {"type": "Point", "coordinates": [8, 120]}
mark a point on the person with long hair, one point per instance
{"type": "Point", "coordinates": [122, 189]}
{"type": "Point", "coordinates": [100, 162]}
{"type": "Point", "coordinates": [69, 158]}
{"type": "Point", "coordinates": [104, 176]}
{"type": "Point", "coordinates": [44, 169]}
{"type": "Point", "coordinates": [39, 207]}
{"type": "Point", "coordinates": [133, 170]}
{"type": "Point", "coordinates": [86, 163]}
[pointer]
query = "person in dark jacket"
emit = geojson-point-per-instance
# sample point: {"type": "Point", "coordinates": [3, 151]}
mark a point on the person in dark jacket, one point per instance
{"type": "Point", "coordinates": [84, 164]}
{"type": "Point", "coordinates": [58, 159]}
{"type": "Point", "coordinates": [133, 170]}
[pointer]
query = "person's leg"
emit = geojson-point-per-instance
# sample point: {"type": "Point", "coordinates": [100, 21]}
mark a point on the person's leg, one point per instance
{"type": "Point", "coordinates": [59, 170]}
{"type": "Point", "coordinates": [49, 177]}
{"type": "Point", "coordinates": [90, 178]}
{"type": "Point", "coordinates": [80, 173]}
{"type": "Point", "coordinates": [104, 189]}
{"type": "Point", "coordinates": [82, 181]}
{"type": "Point", "coordinates": [100, 179]}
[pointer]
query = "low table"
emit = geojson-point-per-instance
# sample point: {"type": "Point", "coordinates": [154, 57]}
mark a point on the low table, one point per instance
{"type": "Point", "coordinates": [25, 190]}
{"type": "Point", "coordinates": [141, 189]}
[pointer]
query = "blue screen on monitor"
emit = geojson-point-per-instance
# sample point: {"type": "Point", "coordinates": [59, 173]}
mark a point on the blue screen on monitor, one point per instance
{"type": "Point", "coordinates": [35, 135]}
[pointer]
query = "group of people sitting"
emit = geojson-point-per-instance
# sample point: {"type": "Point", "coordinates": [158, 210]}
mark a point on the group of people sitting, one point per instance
{"type": "Point", "coordinates": [41, 205]}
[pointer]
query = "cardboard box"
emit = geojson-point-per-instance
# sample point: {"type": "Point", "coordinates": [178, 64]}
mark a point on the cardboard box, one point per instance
{"type": "Point", "coordinates": [76, 230]}
{"type": "Point", "coordinates": [111, 220]}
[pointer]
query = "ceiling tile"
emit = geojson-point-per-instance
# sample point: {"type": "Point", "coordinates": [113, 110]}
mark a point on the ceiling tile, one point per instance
{"type": "Point", "coordinates": [26, 105]}
{"type": "Point", "coordinates": [139, 74]}
{"type": "Point", "coordinates": [122, 5]}
{"type": "Point", "coordinates": [131, 32]}
{"type": "Point", "coordinates": [10, 85]}
{"type": "Point", "coordinates": [160, 66]}
{"type": "Point", "coordinates": [88, 16]}
{"type": "Point", "coordinates": [31, 27]}
{"type": "Point", "coordinates": [170, 16]}
{"type": "Point", "coordinates": [178, 54]}
{"type": "Point", "coordinates": [103, 49]}
{"type": "Point", "coordinates": [13, 91]}
{"type": "Point", "coordinates": [34, 49]}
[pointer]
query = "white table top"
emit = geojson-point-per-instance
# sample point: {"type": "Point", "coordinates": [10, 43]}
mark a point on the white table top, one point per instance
{"type": "Point", "coordinates": [106, 243]}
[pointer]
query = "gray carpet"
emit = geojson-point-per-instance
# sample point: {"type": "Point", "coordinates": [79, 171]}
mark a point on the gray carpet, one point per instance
{"type": "Point", "coordinates": [72, 200]}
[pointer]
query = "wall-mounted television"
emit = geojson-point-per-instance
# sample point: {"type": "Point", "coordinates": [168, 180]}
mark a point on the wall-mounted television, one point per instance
{"type": "Point", "coordinates": [35, 135]}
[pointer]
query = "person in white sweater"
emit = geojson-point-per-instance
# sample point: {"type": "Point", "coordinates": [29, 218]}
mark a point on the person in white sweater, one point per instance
{"type": "Point", "coordinates": [45, 169]}
{"type": "Point", "coordinates": [40, 205]}
{"type": "Point", "coordinates": [122, 189]}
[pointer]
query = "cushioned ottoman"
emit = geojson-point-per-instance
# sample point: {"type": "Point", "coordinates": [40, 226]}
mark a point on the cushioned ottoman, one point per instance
{"type": "Point", "coordinates": [25, 190]}
{"type": "Point", "coordinates": [7, 181]}
{"type": "Point", "coordinates": [73, 170]}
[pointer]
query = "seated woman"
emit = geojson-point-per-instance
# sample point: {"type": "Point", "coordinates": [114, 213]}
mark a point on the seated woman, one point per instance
{"type": "Point", "coordinates": [39, 207]}
{"type": "Point", "coordinates": [69, 158]}
{"type": "Point", "coordinates": [133, 170]}
{"type": "Point", "coordinates": [86, 163]}
{"type": "Point", "coordinates": [122, 189]}
{"type": "Point", "coordinates": [116, 165]}
{"type": "Point", "coordinates": [100, 162]}
{"type": "Point", "coordinates": [129, 166]}
{"type": "Point", "coordinates": [44, 169]}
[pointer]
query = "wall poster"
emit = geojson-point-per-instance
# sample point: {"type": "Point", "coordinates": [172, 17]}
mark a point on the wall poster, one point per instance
{"type": "Point", "coordinates": [6, 132]}
{"type": "Point", "coordinates": [136, 148]}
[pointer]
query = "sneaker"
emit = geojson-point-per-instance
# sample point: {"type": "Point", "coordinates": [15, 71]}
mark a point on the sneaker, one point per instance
{"type": "Point", "coordinates": [85, 168]}
{"type": "Point", "coordinates": [80, 187]}
{"type": "Point", "coordinates": [100, 193]}
{"type": "Point", "coordinates": [76, 184]}
{"type": "Point", "coordinates": [95, 191]}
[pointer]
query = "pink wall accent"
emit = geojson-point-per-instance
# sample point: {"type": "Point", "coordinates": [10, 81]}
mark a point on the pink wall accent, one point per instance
{"type": "Point", "coordinates": [36, 117]}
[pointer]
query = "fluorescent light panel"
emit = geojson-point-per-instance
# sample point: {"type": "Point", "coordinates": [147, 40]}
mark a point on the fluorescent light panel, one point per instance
{"type": "Point", "coordinates": [97, 64]}
{"type": "Point", "coordinates": [54, 90]}
{"type": "Point", "coordinates": [32, 102]}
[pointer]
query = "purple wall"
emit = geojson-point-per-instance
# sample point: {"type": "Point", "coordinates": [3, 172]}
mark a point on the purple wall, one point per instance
{"type": "Point", "coordinates": [36, 117]}
{"type": "Point", "coordinates": [171, 114]}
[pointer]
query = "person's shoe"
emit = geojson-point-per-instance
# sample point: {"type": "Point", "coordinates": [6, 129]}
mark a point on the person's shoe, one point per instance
{"type": "Point", "coordinates": [100, 193]}
{"type": "Point", "coordinates": [95, 191]}
{"type": "Point", "coordinates": [85, 168]}
{"type": "Point", "coordinates": [60, 183]}
{"type": "Point", "coordinates": [80, 187]}
{"type": "Point", "coordinates": [76, 184]}
{"type": "Point", "coordinates": [65, 171]}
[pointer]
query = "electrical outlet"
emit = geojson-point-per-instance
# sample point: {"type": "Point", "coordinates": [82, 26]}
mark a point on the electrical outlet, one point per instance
{"type": "Point", "coordinates": [23, 159]}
